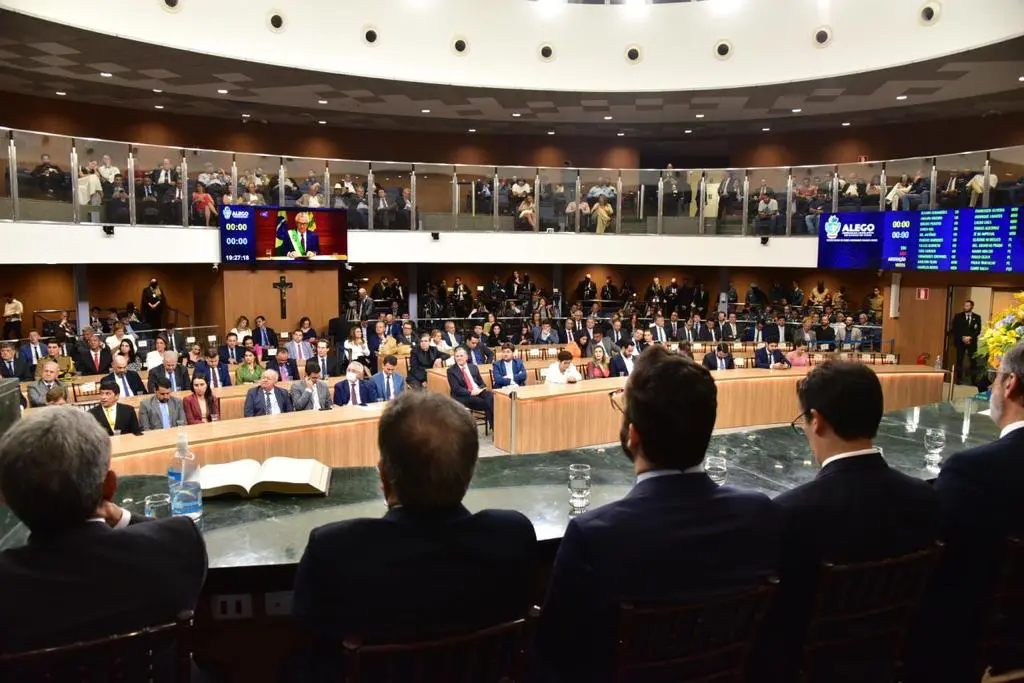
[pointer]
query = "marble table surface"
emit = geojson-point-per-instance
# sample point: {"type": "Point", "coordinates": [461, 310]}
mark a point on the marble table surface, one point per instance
{"type": "Point", "coordinates": [273, 530]}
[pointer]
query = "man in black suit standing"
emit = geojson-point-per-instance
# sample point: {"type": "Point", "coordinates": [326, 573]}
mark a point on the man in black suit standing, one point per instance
{"type": "Point", "coordinates": [467, 386]}
{"type": "Point", "coordinates": [846, 514]}
{"type": "Point", "coordinates": [429, 568]}
{"type": "Point", "coordinates": [677, 537]}
{"type": "Point", "coordinates": [89, 569]}
{"type": "Point", "coordinates": [113, 416]}
{"type": "Point", "coordinates": [719, 359]}
{"type": "Point", "coordinates": [979, 494]}
{"type": "Point", "coordinates": [965, 330]}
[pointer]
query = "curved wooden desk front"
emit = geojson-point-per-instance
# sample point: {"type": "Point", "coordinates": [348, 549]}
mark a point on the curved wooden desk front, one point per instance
{"type": "Point", "coordinates": [345, 436]}
{"type": "Point", "coordinates": [544, 418]}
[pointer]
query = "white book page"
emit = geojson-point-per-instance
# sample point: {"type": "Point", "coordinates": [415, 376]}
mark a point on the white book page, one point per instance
{"type": "Point", "coordinates": [243, 473]}
{"type": "Point", "coordinates": [288, 470]}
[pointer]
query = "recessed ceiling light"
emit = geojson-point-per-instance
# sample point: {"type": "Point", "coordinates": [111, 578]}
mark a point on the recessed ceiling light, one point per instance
{"type": "Point", "coordinates": [322, 123]}
{"type": "Point", "coordinates": [687, 131]}
{"type": "Point", "coordinates": [797, 110]}
{"type": "Point", "coordinates": [901, 97]}
{"type": "Point", "coordinates": [700, 116]}
{"type": "Point", "coordinates": [607, 118]}
{"type": "Point", "coordinates": [845, 124]}
{"type": "Point", "coordinates": [472, 130]}
{"type": "Point", "coordinates": [621, 135]}
{"type": "Point", "coordinates": [765, 130]}
{"type": "Point", "coordinates": [222, 91]}
{"type": "Point", "coordinates": [551, 132]}
{"type": "Point", "coordinates": [1021, 79]}
{"type": "Point", "coordinates": [516, 115]}
{"type": "Point", "coordinates": [424, 111]}
{"type": "Point", "coordinates": [157, 90]}
{"type": "Point", "coordinates": [61, 93]}
{"type": "Point", "coordinates": [158, 106]}
{"type": "Point", "coordinates": [245, 116]}
{"type": "Point", "coordinates": [106, 74]}
{"type": "Point", "coordinates": [321, 101]}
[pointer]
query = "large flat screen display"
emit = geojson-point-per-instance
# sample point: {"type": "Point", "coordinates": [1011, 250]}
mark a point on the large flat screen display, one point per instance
{"type": "Point", "coordinates": [982, 240]}
{"type": "Point", "coordinates": [258, 233]}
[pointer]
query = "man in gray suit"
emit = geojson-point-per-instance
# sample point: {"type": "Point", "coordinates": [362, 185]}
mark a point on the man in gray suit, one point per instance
{"type": "Point", "coordinates": [176, 375]}
{"type": "Point", "coordinates": [37, 390]}
{"type": "Point", "coordinates": [806, 334]}
{"type": "Point", "coordinates": [298, 348]}
{"type": "Point", "coordinates": [161, 410]}
{"type": "Point", "coordinates": [311, 393]}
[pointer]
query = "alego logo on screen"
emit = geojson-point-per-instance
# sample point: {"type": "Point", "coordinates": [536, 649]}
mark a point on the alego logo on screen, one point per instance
{"type": "Point", "coordinates": [834, 227]}
{"type": "Point", "coordinates": [237, 214]}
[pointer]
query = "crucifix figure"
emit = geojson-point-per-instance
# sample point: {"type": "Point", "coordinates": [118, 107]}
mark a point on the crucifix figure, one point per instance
{"type": "Point", "coordinates": [283, 286]}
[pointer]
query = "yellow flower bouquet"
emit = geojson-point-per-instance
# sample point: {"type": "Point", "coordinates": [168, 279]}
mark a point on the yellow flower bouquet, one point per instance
{"type": "Point", "coordinates": [1003, 333]}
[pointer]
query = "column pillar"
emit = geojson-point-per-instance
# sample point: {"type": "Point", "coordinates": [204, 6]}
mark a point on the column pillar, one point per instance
{"type": "Point", "coordinates": [80, 275]}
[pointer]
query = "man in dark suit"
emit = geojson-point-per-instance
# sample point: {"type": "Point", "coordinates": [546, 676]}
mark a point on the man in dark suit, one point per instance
{"type": "Point", "coordinates": [770, 358]}
{"type": "Point", "coordinates": [327, 361]}
{"type": "Point", "coordinates": [965, 330]}
{"type": "Point", "coordinates": [263, 335]}
{"type": "Point", "coordinates": [676, 537]}
{"type": "Point", "coordinates": [777, 332]}
{"type": "Point", "coordinates": [175, 374]}
{"type": "Point", "coordinates": [708, 332]}
{"type": "Point", "coordinates": [147, 199]}
{"type": "Point", "coordinates": [128, 381]}
{"type": "Point", "coordinates": [755, 333]}
{"type": "Point", "coordinates": [354, 391]}
{"type": "Point", "coordinates": [449, 336]}
{"type": "Point", "coordinates": [12, 365]}
{"type": "Point", "coordinates": [659, 333]}
{"type": "Point", "coordinates": [508, 370]}
{"type": "Point", "coordinates": [981, 506]}
{"type": "Point", "coordinates": [90, 568]}
{"type": "Point", "coordinates": [731, 329]}
{"type": "Point", "coordinates": [231, 351]}
{"type": "Point", "coordinates": [429, 568]}
{"type": "Point", "coordinates": [421, 359]}
{"type": "Point", "coordinates": [478, 353]}
{"type": "Point", "coordinates": [113, 416]}
{"type": "Point", "coordinates": [622, 364]}
{"type": "Point", "coordinates": [286, 368]}
{"type": "Point", "coordinates": [215, 372]}
{"type": "Point", "coordinates": [845, 515]}
{"type": "Point", "coordinates": [94, 360]}
{"type": "Point", "coordinates": [467, 386]}
{"type": "Point", "coordinates": [170, 204]}
{"type": "Point", "coordinates": [719, 359]}
{"type": "Point", "coordinates": [267, 398]}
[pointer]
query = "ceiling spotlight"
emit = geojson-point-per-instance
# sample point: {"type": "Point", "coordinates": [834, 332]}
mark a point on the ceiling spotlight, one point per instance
{"type": "Point", "coordinates": [901, 97]}
{"type": "Point", "coordinates": [245, 116]}
{"type": "Point", "coordinates": [61, 93]}
{"type": "Point", "coordinates": [551, 132]}
{"type": "Point", "coordinates": [105, 74]}
{"type": "Point", "coordinates": [765, 130]}
{"type": "Point", "coordinates": [157, 90]}
{"type": "Point", "coordinates": [472, 130]}
{"type": "Point", "coordinates": [607, 118]}
{"type": "Point", "coordinates": [222, 91]}
{"type": "Point", "coordinates": [846, 124]}
{"type": "Point", "coordinates": [687, 131]}
{"type": "Point", "coordinates": [158, 106]}
{"type": "Point", "coordinates": [621, 135]}
{"type": "Point", "coordinates": [516, 115]}
{"type": "Point", "coordinates": [1021, 79]}
{"type": "Point", "coordinates": [700, 116]}
{"type": "Point", "coordinates": [424, 111]}
{"type": "Point", "coordinates": [322, 123]}
{"type": "Point", "coordinates": [797, 110]}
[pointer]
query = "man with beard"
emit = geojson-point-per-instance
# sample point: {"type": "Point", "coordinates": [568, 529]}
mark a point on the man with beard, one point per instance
{"type": "Point", "coordinates": [677, 537]}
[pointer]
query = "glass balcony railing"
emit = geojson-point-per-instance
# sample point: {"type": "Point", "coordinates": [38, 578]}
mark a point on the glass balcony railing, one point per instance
{"type": "Point", "coordinates": [60, 179]}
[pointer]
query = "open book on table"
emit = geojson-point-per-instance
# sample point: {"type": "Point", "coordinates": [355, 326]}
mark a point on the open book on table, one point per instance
{"type": "Point", "coordinates": [249, 479]}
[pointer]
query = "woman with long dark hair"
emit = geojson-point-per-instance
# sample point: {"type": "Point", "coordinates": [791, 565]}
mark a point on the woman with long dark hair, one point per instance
{"type": "Point", "coordinates": [201, 405]}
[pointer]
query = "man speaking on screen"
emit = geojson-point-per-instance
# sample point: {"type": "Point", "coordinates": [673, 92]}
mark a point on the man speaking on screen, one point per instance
{"type": "Point", "coordinates": [300, 241]}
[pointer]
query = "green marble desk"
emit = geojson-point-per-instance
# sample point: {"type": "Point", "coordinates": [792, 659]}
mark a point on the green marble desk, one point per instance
{"type": "Point", "coordinates": [272, 531]}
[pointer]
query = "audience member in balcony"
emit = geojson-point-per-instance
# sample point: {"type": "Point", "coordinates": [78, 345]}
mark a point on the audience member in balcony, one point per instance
{"type": "Point", "coordinates": [164, 177]}
{"type": "Point", "coordinates": [602, 211]}
{"type": "Point", "coordinates": [339, 200]}
{"type": "Point", "coordinates": [251, 196]}
{"type": "Point", "coordinates": [48, 176]}
{"type": "Point", "coordinates": [798, 357]}
{"type": "Point", "coordinates": [170, 204]}
{"type": "Point", "coordinates": [526, 217]}
{"type": "Point", "coordinates": [147, 202]}
{"type": "Point", "coordinates": [312, 199]}
{"type": "Point", "coordinates": [976, 186]}
{"type": "Point", "coordinates": [767, 214]}
{"type": "Point", "coordinates": [520, 190]}
{"type": "Point", "coordinates": [898, 192]}
{"type": "Point", "coordinates": [204, 207]}
{"type": "Point", "coordinates": [403, 210]}
{"type": "Point", "coordinates": [358, 209]}
{"type": "Point", "coordinates": [676, 538]}
{"type": "Point", "coordinates": [383, 211]}
{"type": "Point", "coordinates": [728, 190]}
{"type": "Point", "coordinates": [107, 171]}
{"type": "Point", "coordinates": [818, 206]}
{"type": "Point", "coordinates": [117, 209]}
{"type": "Point", "coordinates": [844, 515]}
{"type": "Point", "coordinates": [918, 194]}
{"type": "Point", "coordinates": [90, 193]}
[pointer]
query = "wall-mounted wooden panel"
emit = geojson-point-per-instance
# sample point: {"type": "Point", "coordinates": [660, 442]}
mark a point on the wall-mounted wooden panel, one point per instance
{"type": "Point", "coordinates": [251, 292]}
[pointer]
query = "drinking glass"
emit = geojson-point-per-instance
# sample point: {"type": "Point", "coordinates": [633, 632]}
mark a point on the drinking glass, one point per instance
{"type": "Point", "coordinates": [934, 442]}
{"type": "Point", "coordinates": [158, 506]}
{"type": "Point", "coordinates": [716, 468]}
{"type": "Point", "coordinates": [117, 432]}
{"type": "Point", "coordinates": [579, 486]}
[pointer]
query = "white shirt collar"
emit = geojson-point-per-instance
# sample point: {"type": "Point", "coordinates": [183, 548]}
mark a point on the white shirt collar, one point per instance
{"type": "Point", "coordinates": [1012, 427]}
{"type": "Point", "coordinates": [652, 474]}
{"type": "Point", "coordinates": [851, 454]}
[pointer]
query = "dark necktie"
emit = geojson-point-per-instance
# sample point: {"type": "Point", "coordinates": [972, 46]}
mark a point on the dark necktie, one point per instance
{"type": "Point", "coordinates": [387, 388]}
{"type": "Point", "coordinates": [323, 366]}
{"type": "Point", "coordinates": [10, 368]}
{"type": "Point", "coordinates": [266, 403]}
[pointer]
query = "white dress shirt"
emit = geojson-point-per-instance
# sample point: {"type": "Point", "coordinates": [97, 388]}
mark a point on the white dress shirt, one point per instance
{"type": "Point", "coordinates": [275, 409]}
{"type": "Point", "coordinates": [654, 474]}
{"type": "Point", "coordinates": [852, 454]}
{"type": "Point", "coordinates": [1012, 427]}
{"type": "Point", "coordinates": [510, 373]}
{"type": "Point", "coordinates": [126, 518]}
{"type": "Point", "coordinates": [154, 359]}
{"type": "Point", "coordinates": [628, 361]}
{"type": "Point", "coordinates": [556, 376]}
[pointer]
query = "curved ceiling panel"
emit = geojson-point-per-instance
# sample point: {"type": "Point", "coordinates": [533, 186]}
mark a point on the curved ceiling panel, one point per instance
{"type": "Point", "coordinates": [632, 47]}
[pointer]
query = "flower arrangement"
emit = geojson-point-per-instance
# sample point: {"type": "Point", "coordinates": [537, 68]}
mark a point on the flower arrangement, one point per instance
{"type": "Point", "coordinates": [1003, 333]}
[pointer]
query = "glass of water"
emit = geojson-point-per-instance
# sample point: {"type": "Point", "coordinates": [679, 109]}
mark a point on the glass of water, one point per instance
{"type": "Point", "coordinates": [716, 468]}
{"type": "Point", "coordinates": [579, 486]}
{"type": "Point", "coordinates": [934, 442]}
{"type": "Point", "coordinates": [158, 506]}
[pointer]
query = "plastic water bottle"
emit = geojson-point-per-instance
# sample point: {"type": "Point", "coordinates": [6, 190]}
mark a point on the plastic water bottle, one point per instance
{"type": "Point", "coordinates": [183, 482]}
{"type": "Point", "coordinates": [938, 362]}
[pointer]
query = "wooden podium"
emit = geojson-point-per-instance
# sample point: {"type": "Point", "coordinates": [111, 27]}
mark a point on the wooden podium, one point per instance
{"type": "Point", "coordinates": [313, 293]}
